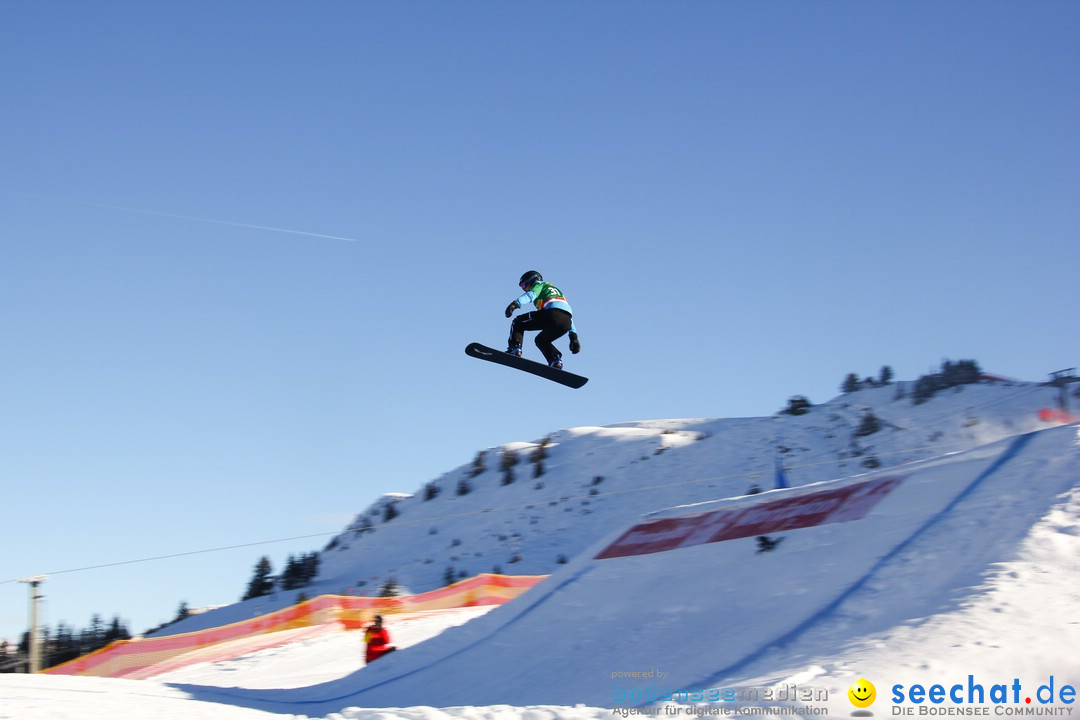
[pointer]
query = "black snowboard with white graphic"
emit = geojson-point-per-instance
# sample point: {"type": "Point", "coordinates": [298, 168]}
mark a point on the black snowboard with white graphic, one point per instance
{"type": "Point", "coordinates": [499, 357]}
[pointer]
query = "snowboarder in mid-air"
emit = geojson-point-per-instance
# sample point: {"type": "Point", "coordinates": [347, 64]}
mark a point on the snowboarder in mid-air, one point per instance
{"type": "Point", "coordinates": [553, 318]}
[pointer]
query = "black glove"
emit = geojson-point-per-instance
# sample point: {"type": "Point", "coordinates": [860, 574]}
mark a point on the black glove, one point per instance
{"type": "Point", "coordinates": [511, 308]}
{"type": "Point", "coordinates": [575, 346]}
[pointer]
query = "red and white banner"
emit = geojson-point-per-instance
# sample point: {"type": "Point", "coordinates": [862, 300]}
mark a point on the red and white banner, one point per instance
{"type": "Point", "coordinates": [850, 502]}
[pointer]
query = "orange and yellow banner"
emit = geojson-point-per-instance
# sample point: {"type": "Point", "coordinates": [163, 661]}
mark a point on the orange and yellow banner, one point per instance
{"type": "Point", "coordinates": [140, 658]}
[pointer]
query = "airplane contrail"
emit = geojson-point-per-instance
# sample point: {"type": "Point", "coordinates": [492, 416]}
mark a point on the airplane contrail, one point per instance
{"type": "Point", "coordinates": [186, 217]}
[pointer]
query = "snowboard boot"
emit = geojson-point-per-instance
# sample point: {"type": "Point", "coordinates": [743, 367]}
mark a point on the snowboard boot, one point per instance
{"type": "Point", "coordinates": [556, 363]}
{"type": "Point", "coordinates": [514, 350]}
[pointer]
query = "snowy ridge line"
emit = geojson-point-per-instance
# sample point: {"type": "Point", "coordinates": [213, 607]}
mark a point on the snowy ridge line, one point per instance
{"type": "Point", "coordinates": [419, 521]}
{"type": "Point", "coordinates": [712, 478]}
{"type": "Point", "coordinates": [813, 462]}
{"type": "Point", "coordinates": [816, 487]}
{"type": "Point", "coordinates": [1008, 454]}
{"type": "Point", "coordinates": [900, 431]}
{"type": "Point", "coordinates": [810, 462]}
{"type": "Point", "coordinates": [922, 427]}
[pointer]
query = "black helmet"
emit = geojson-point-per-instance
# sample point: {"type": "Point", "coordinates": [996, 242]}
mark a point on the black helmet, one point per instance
{"type": "Point", "coordinates": [529, 279]}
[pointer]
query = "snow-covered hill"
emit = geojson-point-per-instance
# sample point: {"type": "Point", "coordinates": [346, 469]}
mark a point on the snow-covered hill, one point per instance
{"type": "Point", "coordinates": [963, 571]}
{"type": "Point", "coordinates": [719, 615]}
{"type": "Point", "coordinates": [595, 479]}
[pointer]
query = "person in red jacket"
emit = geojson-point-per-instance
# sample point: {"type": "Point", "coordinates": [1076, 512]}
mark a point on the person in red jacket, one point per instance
{"type": "Point", "coordinates": [377, 639]}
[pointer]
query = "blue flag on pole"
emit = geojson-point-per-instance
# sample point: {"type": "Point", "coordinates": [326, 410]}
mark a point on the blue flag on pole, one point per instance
{"type": "Point", "coordinates": [781, 478]}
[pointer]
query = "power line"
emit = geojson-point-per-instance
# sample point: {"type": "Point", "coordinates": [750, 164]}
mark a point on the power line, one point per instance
{"type": "Point", "coordinates": [182, 554]}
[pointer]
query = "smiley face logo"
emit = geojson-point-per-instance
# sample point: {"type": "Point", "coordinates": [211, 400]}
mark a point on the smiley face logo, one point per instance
{"type": "Point", "coordinates": [862, 693]}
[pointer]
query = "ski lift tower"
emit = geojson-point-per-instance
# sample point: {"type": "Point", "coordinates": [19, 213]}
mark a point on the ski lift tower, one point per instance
{"type": "Point", "coordinates": [1061, 379]}
{"type": "Point", "coordinates": [35, 632]}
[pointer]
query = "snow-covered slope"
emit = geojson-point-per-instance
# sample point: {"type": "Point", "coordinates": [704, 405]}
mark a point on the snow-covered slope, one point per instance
{"type": "Point", "coordinates": [968, 566]}
{"type": "Point", "coordinates": [314, 660]}
{"type": "Point", "coordinates": [719, 615]}
{"type": "Point", "coordinates": [595, 479]}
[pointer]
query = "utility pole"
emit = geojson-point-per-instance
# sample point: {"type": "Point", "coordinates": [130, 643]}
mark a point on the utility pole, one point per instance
{"type": "Point", "coordinates": [34, 637]}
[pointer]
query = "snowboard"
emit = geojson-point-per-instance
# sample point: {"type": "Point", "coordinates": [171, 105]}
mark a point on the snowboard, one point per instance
{"type": "Point", "coordinates": [499, 357]}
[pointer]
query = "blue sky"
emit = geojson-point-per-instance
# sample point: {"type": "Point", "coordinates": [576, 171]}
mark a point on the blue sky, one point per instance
{"type": "Point", "coordinates": [743, 202]}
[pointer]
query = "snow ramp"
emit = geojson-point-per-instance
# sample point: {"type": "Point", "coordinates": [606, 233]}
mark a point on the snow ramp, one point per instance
{"type": "Point", "coordinates": [683, 600]}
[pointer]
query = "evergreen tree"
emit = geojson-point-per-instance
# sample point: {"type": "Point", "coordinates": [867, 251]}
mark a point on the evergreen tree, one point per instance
{"type": "Point", "coordinates": [797, 405]}
{"type": "Point", "coordinates": [261, 583]}
{"type": "Point", "coordinates": [431, 491]}
{"type": "Point", "coordinates": [463, 487]}
{"type": "Point", "coordinates": [886, 375]}
{"type": "Point", "coordinates": [478, 466]}
{"type": "Point", "coordinates": [390, 512]}
{"type": "Point", "coordinates": [116, 631]}
{"type": "Point", "coordinates": [63, 647]}
{"type": "Point", "coordinates": [851, 384]}
{"type": "Point", "coordinates": [289, 574]}
{"type": "Point", "coordinates": [953, 374]}
{"type": "Point", "coordinates": [8, 658]}
{"type": "Point", "coordinates": [311, 567]}
{"type": "Point", "coordinates": [389, 588]}
{"type": "Point", "coordinates": [925, 388]}
{"type": "Point", "coordinates": [509, 460]}
{"type": "Point", "coordinates": [961, 372]}
{"type": "Point", "coordinates": [95, 634]}
{"type": "Point", "coordinates": [869, 425]}
{"type": "Point", "coordinates": [539, 455]}
{"type": "Point", "coordinates": [300, 571]}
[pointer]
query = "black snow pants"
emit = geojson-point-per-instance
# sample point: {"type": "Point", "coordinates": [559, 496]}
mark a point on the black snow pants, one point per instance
{"type": "Point", "coordinates": [552, 324]}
